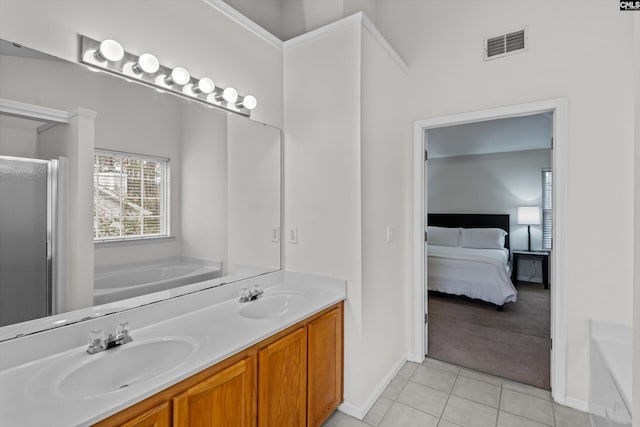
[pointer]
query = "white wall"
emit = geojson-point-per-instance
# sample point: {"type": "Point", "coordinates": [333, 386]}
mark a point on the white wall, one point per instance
{"type": "Point", "coordinates": [492, 183]}
{"type": "Point", "coordinates": [345, 183]}
{"type": "Point", "coordinates": [254, 190]}
{"type": "Point", "coordinates": [18, 137]}
{"type": "Point", "coordinates": [451, 77]}
{"type": "Point", "coordinates": [322, 174]}
{"type": "Point", "coordinates": [203, 190]}
{"type": "Point", "coordinates": [386, 202]}
{"type": "Point", "coordinates": [192, 34]}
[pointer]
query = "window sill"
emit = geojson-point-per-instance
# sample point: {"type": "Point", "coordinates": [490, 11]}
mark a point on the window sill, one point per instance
{"type": "Point", "coordinates": [133, 241]}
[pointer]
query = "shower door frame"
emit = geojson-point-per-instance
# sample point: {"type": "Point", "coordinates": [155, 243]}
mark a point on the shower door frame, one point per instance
{"type": "Point", "coordinates": [52, 209]}
{"type": "Point", "coordinates": [51, 117]}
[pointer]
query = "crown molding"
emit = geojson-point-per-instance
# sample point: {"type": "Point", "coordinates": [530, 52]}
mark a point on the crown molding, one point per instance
{"type": "Point", "coordinates": [246, 22]}
{"type": "Point", "coordinates": [323, 31]}
{"type": "Point", "coordinates": [369, 26]}
{"type": "Point", "coordinates": [23, 110]}
{"type": "Point", "coordinates": [357, 18]}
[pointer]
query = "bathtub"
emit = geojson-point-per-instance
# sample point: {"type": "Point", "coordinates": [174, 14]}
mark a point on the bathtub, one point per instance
{"type": "Point", "coordinates": [113, 283]}
{"type": "Point", "coordinates": [610, 374]}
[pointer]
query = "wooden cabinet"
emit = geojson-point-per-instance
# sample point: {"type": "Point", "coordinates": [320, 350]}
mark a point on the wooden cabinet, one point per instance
{"type": "Point", "coordinates": [160, 416]}
{"type": "Point", "coordinates": [293, 379]}
{"type": "Point", "coordinates": [223, 399]}
{"type": "Point", "coordinates": [282, 381]}
{"type": "Point", "coordinates": [325, 342]}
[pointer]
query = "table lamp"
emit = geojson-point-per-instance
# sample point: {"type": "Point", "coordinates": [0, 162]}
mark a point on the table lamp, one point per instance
{"type": "Point", "coordinates": [529, 215]}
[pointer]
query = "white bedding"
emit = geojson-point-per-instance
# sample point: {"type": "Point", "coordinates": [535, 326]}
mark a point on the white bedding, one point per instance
{"type": "Point", "coordinates": [476, 273]}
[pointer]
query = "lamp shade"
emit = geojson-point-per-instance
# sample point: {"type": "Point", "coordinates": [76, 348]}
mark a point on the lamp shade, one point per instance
{"type": "Point", "coordinates": [529, 215]}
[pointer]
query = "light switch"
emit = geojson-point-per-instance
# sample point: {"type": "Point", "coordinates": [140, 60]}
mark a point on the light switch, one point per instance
{"type": "Point", "coordinates": [293, 235]}
{"type": "Point", "coordinates": [275, 233]}
{"type": "Point", "coordinates": [391, 233]}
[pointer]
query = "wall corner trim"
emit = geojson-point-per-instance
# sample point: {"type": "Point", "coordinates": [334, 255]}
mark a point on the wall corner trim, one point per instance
{"type": "Point", "coordinates": [246, 22]}
{"type": "Point", "coordinates": [361, 411]}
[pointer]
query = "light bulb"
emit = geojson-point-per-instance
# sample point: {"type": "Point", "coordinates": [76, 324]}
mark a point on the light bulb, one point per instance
{"type": "Point", "coordinates": [230, 94]}
{"type": "Point", "coordinates": [179, 76]}
{"type": "Point", "coordinates": [249, 102]}
{"type": "Point", "coordinates": [204, 85]}
{"type": "Point", "coordinates": [147, 63]}
{"type": "Point", "coordinates": [110, 50]}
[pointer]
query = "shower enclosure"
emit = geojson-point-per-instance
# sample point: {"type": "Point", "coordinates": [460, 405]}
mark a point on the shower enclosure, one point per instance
{"type": "Point", "coordinates": [27, 219]}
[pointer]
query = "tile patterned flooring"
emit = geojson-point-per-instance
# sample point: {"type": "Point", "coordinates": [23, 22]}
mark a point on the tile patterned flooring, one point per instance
{"type": "Point", "coordinates": [438, 394]}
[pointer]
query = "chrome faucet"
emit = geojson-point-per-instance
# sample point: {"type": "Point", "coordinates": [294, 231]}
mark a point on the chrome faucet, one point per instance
{"type": "Point", "coordinates": [98, 342]}
{"type": "Point", "coordinates": [252, 294]}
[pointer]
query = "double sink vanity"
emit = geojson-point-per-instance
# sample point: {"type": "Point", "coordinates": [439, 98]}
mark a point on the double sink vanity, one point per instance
{"type": "Point", "coordinates": [204, 358]}
{"type": "Point", "coordinates": [141, 349]}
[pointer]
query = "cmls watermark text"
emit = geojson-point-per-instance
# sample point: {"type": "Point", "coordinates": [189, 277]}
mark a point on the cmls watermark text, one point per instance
{"type": "Point", "coordinates": [629, 5]}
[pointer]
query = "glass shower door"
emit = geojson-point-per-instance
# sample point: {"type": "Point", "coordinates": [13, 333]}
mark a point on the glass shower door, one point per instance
{"type": "Point", "coordinates": [25, 259]}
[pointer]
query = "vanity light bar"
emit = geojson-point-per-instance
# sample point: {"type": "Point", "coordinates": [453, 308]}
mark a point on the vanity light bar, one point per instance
{"type": "Point", "coordinates": [110, 56]}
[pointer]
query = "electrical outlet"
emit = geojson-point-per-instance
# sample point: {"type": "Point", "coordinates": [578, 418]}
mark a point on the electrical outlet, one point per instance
{"type": "Point", "coordinates": [275, 233]}
{"type": "Point", "coordinates": [293, 235]}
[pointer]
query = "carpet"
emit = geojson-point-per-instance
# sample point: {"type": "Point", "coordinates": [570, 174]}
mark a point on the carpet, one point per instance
{"type": "Point", "coordinates": [513, 343]}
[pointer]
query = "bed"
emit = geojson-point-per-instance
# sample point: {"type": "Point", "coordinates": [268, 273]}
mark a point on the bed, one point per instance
{"type": "Point", "coordinates": [468, 255]}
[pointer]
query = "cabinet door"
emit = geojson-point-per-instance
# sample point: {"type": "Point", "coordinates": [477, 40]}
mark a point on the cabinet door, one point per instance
{"type": "Point", "coordinates": [282, 381]}
{"type": "Point", "coordinates": [325, 366]}
{"type": "Point", "coordinates": [225, 399]}
{"type": "Point", "coordinates": [156, 417]}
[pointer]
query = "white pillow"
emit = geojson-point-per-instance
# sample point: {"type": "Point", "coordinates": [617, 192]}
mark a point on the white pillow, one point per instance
{"type": "Point", "coordinates": [443, 236]}
{"type": "Point", "coordinates": [483, 238]}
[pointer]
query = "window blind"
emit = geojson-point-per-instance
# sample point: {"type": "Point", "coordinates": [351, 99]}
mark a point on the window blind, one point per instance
{"type": "Point", "coordinates": [547, 206]}
{"type": "Point", "coordinates": [130, 194]}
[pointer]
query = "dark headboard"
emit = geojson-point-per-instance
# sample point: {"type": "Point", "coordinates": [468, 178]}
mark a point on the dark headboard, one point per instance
{"type": "Point", "coordinates": [471, 221]}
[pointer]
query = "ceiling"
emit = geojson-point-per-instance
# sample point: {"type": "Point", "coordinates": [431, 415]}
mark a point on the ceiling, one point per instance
{"type": "Point", "coordinates": [532, 132]}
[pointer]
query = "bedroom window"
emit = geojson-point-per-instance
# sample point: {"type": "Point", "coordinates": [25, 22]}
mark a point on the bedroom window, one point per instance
{"type": "Point", "coordinates": [547, 204]}
{"type": "Point", "coordinates": [130, 196]}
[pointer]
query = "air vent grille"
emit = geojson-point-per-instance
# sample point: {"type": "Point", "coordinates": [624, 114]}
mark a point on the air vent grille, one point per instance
{"type": "Point", "coordinates": [505, 44]}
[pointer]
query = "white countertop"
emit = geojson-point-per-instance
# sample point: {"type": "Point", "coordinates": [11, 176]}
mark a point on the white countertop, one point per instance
{"type": "Point", "coordinates": [217, 330]}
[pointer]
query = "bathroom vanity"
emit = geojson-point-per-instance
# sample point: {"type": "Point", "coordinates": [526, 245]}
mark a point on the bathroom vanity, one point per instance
{"type": "Point", "coordinates": [211, 361]}
{"type": "Point", "coordinates": [291, 378]}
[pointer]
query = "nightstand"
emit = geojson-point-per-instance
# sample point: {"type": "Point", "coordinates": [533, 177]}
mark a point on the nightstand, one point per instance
{"type": "Point", "coordinates": [536, 255]}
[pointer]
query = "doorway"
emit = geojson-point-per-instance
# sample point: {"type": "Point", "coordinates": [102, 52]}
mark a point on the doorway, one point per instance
{"type": "Point", "coordinates": [558, 109]}
{"type": "Point", "coordinates": [483, 314]}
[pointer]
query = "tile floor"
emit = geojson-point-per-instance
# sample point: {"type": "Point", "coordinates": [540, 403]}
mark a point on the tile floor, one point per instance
{"type": "Point", "coordinates": [437, 394]}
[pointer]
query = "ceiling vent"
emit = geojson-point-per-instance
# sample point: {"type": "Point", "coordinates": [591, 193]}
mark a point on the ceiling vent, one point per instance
{"type": "Point", "coordinates": [505, 44]}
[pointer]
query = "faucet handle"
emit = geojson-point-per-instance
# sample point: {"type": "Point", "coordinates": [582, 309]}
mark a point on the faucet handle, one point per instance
{"type": "Point", "coordinates": [123, 328]}
{"type": "Point", "coordinates": [97, 341]}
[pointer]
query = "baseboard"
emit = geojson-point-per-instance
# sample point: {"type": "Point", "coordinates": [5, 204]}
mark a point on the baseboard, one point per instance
{"type": "Point", "coordinates": [361, 411]}
{"type": "Point", "coordinates": [579, 404]}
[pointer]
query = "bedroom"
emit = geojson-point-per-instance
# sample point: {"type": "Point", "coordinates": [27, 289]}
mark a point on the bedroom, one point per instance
{"type": "Point", "coordinates": [475, 171]}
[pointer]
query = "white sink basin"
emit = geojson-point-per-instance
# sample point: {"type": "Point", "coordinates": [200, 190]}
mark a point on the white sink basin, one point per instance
{"type": "Point", "coordinates": [85, 376]}
{"type": "Point", "coordinates": [271, 306]}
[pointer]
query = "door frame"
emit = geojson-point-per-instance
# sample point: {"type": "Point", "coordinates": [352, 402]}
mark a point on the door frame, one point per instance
{"type": "Point", "coordinates": [560, 162]}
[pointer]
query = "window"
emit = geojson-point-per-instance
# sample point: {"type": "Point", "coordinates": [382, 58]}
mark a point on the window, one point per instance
{"type": "Point", "coordinates": [130, 196]}
{"type": "Point", "coordinates": [547, 204]}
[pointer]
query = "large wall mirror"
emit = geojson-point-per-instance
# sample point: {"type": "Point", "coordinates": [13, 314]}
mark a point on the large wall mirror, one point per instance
{"type": "Point", "coordinates": [139, 196]}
